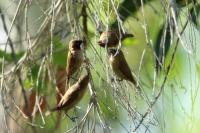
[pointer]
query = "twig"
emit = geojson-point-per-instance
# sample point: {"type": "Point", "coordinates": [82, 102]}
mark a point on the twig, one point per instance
{"type": "Point", "coordinates": [84, 22]}
{"type": "Point", "coordinates": [164, 81]}
{"type": "Point", "coordinates": [91, 84]}
{"type": "Point", "coordinates": [9, 41]}
{"type": "Point", "coordinates": [84, 117]}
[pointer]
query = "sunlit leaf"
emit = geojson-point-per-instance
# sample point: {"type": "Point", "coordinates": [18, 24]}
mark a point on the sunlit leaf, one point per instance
{"type": "Point", "coordinates": [27, 83]}
{"type": "Point", "coordinates": [130, 41]}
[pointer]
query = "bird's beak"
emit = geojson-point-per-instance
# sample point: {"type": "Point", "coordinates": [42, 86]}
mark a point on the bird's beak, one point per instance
{"type": "Point", "coordinates": [101, 43]}
{"type": "Point", "coordinates": [129, 35]}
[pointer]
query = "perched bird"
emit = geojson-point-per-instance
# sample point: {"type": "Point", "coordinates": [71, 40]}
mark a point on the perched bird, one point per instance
{"type": "Point", "coordinates": [74, 58]}
{"type": "Point", "coordinates": [120, 66]}
{"type": "Point", "coordinates": [112, 38]}
{"type": "Point", "coordinates": [73, 95]}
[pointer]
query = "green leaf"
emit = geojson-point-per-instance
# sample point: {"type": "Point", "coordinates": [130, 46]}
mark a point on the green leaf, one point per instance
{"type": "Point", "coordinates": [128, 8]}
{"type": "Point", "coordinates": [34, 71]}
{"type": "Point", "coordinates": [60, 53]}
{"type": "Point", "coordinates": [162, 45]}
{"type": "Point", "coordinates": [194, 12]}
{"type": "Point", "coordinates": [27, 83]}
{"type": "Point", "coordinates": [130, 41]}
{"type": "Point", "coordinates": [198, 70]}
{"type": "Point", "coordinates": [8, 56]}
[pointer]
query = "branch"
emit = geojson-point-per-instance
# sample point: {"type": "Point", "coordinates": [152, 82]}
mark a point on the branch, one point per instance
{"type": "Point", "coordinates": [164, 81]}
{"type": "Point", "coordinates": [84, 22]}
{"type": "Point", "coordinates": [13, 53]}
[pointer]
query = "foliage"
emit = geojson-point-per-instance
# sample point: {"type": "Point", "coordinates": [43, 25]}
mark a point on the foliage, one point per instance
{"type": "Point", "coordinates": [163, 57]}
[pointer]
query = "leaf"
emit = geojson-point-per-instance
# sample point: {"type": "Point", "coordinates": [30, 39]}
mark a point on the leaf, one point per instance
{"type": "Point", "coordinates": [8, 56]}
{"type": "Point", "coordinates": [198, 70]}
{"type": "Point", "coordinates": [183, 3]}
{"type": "Point", "coordinates": [34, 71]}
{"type": "Point", "coordinates": [60, 54]}
{"type": "Point", "coordinates": [162, 46]}
{"type": "Point", "coordinates": [130, 41]}
{"type": "Point", "coordinates": [27, 83]}
{"type": "Point", "coordinates": [194, 13]}
{"type": "Point", "coordinates": [31, 78]}
{"type": "Point", "coordinates": [128, 8]}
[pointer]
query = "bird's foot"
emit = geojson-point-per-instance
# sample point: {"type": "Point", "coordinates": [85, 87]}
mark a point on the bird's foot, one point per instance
{"type": "Point", "coordinates": [138, 92]}
{"type": "Point", "coordinates": [118, 80]}
{"type": "Point", "coordinates": [87, 62]}
{"type": "Point", "coordinates": [73, 119]}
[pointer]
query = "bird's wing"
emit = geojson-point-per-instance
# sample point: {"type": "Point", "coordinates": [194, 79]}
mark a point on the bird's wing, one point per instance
{"type": "Point", "coordinates": [73, 63]}
{"type": "Point", "coordinates": [70, 62]}
{"type": "Point", "coordinates": [125, 69]}
{"type": "Point", "coordinates": [71, 94]}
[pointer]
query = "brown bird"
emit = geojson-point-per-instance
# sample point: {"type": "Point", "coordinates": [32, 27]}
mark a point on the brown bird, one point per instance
{"type": "Point", "coordinates": [120, 66]}
{"type": "Point", "coordinates": [74, 58]}
{"type": "Point", "coordinates": [73, 95]}
{"type": "Point", "coordinates": [112, 38]}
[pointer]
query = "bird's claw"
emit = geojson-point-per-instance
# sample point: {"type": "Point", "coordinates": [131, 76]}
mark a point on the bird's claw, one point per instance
{"type": "Point", "coordinates": [119, 80]}
{"type": "Point", "coordinates": [73, 119]}
{"type": "Point", "coordinates": [93, 98]}
{"type": "Point", "coordinates": [113, 79]}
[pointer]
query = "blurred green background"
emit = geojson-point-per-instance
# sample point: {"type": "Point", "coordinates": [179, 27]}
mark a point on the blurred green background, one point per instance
{"type": "Point", "coordinates": [156, 24]}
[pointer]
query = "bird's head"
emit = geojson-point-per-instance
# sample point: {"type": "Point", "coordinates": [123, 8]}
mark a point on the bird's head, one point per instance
{"type": "Point", "coordinates": [75, 44]}
{"type": "Point", "coordinates": [104, 39]}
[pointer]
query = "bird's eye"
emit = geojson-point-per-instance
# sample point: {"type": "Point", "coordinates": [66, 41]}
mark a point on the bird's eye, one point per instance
{"type": "Point", "coordinates": [78, 46]}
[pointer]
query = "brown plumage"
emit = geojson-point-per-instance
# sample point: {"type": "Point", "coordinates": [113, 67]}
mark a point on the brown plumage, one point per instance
{"type": "Point", "coordinates": [73, 95]}
{"type": "Point", "coordinates": [112, 38]}
{"type": "Point", "coordinates": [120, 66]}
{"type": "Point", "coordinates": [74, 58]}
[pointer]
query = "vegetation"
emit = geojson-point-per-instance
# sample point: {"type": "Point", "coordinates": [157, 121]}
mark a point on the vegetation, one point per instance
{"type": "Point", "coordinates": [163, 56]}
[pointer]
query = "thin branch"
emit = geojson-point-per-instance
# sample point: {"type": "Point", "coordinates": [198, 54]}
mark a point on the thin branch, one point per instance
{"type": "Point", "coordinates": [164, 81]}
{"type": "Point", "coordinates": [9, 41]}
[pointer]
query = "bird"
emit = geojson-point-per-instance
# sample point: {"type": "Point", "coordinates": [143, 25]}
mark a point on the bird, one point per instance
{"type": "Point", "coordinates": [112, 38]}
{"type": "Point", "coordinates": [120, 66]}
{"type": "Point", "coordinates": [74, 59]}
{"type": "Point", "coordinates": [73, 95]}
